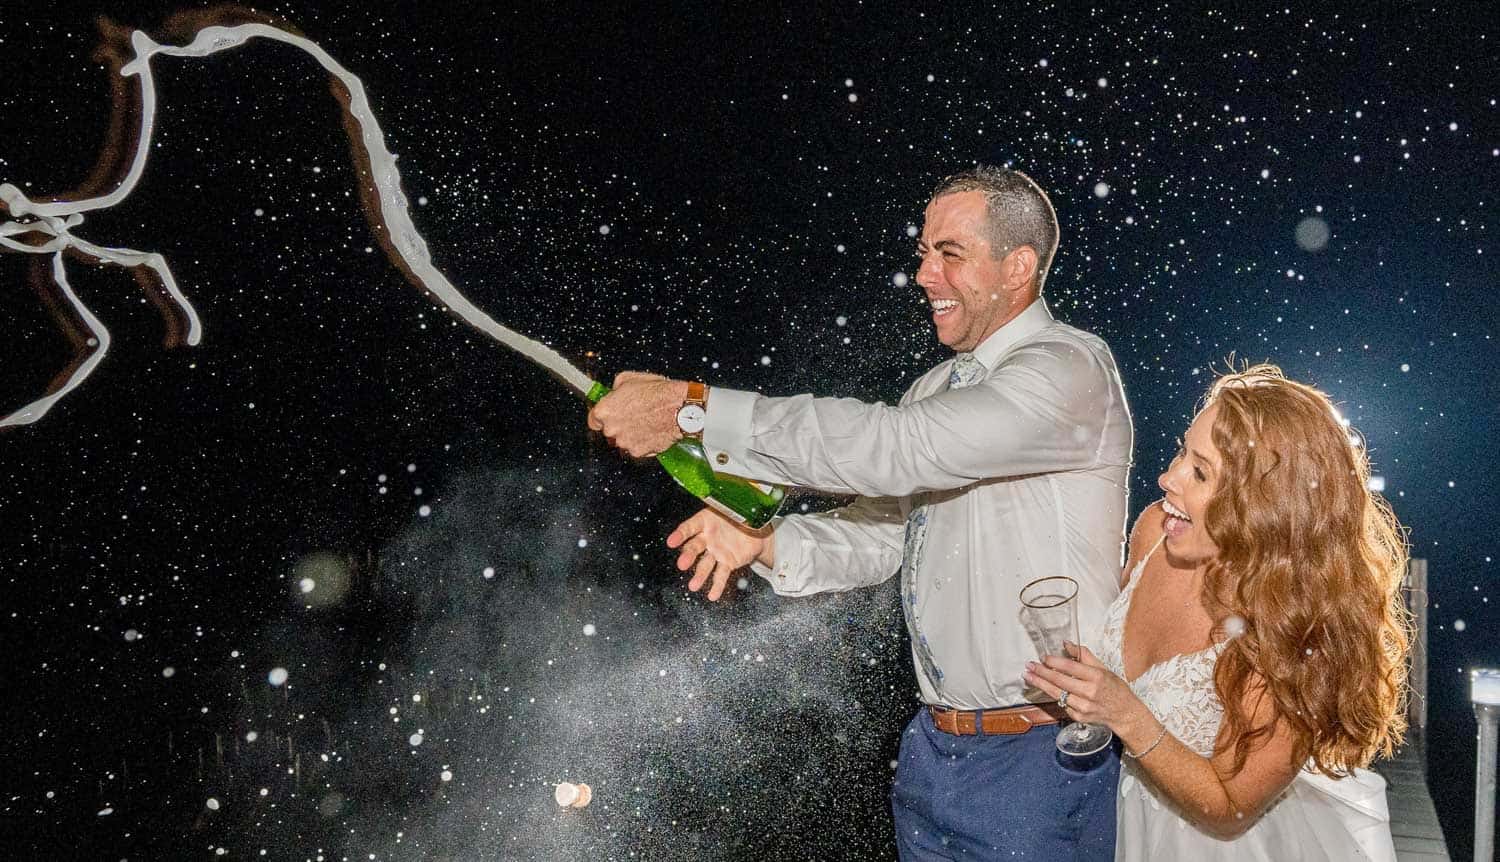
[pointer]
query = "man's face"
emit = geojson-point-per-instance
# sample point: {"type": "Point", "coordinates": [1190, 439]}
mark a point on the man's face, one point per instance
{"type": "Point", "coordinates": [962, 280]}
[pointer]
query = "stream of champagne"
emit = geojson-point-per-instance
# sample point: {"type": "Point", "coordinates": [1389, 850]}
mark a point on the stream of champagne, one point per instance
{"type": "Point", "coordinates": [56, 220]}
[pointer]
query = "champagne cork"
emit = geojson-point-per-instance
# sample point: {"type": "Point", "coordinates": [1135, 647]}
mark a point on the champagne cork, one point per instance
{"type": "Point", "coordinates": [573, 795]}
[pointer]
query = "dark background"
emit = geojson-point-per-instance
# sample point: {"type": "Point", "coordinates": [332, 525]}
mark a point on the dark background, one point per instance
{"type": "Point", "coordinates": [182, 495]}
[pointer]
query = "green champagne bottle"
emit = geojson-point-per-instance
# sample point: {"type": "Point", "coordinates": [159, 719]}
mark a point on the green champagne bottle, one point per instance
{"type": "Point", "coordinates": [753, 504]}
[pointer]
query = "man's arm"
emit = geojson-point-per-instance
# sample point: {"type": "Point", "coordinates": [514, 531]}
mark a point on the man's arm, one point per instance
{"type": "Point", "coordinates": [1047, 408]}
{"type": "Point", "coordinates": [855, 546]}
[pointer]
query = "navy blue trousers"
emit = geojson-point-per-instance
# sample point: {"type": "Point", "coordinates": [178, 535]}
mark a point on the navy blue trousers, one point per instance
{"type": "Point", "coordinates": [1001, 797]}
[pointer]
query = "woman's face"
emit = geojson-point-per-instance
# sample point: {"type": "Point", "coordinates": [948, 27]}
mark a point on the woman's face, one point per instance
{"type": "Point", "coordinates": [1189, 483]}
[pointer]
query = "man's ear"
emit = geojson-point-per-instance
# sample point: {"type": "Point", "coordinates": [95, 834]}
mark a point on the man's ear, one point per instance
{"type": "Point", "coordinates": [1019, 267]}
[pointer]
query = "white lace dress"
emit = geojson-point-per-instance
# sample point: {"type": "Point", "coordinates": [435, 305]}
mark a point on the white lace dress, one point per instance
{"type": "Point", "coordinates": [1315, 819]}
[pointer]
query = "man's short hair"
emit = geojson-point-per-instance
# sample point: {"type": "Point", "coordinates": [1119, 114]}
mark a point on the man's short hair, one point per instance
{"type": "Point", "coordinates": [1017, 212]}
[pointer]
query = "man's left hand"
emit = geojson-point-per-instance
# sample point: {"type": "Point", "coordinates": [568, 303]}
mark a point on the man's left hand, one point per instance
{"type": "Point", "coordinates": [639, 415]}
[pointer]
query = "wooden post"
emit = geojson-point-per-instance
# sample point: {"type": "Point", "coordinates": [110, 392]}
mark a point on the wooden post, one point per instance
{"type": "Point", "coordinates": [1488, 717]}
{"type": "Point", "coordinates": [1416, 602]}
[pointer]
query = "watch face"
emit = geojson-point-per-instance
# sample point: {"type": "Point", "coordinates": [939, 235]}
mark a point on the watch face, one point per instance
{"type": "Point", "coordinates": [690, 419]}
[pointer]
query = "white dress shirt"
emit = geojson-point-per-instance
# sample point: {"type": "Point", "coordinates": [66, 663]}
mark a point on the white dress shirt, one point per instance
{"type": "Point", "coordinates": [1023, 473]}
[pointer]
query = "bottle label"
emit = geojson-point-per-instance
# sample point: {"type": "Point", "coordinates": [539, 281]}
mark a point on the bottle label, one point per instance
{"type": "Point", "coordinates": [724, 510]}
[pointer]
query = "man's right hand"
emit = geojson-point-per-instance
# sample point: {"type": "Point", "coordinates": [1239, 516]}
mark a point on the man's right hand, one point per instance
{"type": "Point", "coordinates": [713, 545]}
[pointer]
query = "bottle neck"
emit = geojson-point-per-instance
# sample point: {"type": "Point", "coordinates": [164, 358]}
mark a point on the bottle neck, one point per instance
{"type": "Point", "coordinates": [596, 391]}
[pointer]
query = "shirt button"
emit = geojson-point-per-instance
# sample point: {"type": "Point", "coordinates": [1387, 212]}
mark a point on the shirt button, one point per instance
{"type": "Point", "coordinates": [722, 458]}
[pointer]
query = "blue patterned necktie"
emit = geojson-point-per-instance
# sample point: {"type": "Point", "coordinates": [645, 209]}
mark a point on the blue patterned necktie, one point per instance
{"type": "Point", "coordinates": [966, 371]}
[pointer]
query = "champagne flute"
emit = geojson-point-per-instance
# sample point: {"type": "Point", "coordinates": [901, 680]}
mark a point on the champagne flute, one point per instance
{"type": "Point", "coordinates": [1049, 613]}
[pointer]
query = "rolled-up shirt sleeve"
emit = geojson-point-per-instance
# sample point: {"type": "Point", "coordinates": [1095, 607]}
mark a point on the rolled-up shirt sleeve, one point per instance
{"type": "Point", "coordinates": [854, 546]}
{"type": "Point", "coordinates": [1044, 409]}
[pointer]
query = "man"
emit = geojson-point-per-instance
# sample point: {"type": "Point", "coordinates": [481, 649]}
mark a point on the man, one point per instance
{"type": "Point", "coordinates": [1005, 464]}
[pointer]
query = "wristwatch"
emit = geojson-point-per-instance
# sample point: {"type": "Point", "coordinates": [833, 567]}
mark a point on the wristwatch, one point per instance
{"type": "Point", "coordinates": [693, 412]}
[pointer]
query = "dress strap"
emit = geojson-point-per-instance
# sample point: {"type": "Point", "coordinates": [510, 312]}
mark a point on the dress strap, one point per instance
{"type": "Point", "coordinates": [1140, 565]}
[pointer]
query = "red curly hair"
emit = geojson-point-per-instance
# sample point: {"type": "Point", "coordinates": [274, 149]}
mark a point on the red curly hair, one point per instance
{"type": "Point", "coordinates": [1312, 562]}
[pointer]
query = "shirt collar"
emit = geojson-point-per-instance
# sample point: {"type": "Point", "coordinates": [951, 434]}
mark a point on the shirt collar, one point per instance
{"type": "Point", "coordinates": [1034, 319]}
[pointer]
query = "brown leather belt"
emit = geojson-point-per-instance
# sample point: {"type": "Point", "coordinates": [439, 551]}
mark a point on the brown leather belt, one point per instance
{"type": "Point", "coordinates": [994, 722]}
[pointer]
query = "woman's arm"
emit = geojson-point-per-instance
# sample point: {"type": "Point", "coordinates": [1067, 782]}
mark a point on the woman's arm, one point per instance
{"type": "Point", "coordinates": [1221, 804]}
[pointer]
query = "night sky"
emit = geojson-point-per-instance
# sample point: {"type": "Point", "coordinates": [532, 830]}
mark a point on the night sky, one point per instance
{"type": "Point", "coordinates": [465, 597]}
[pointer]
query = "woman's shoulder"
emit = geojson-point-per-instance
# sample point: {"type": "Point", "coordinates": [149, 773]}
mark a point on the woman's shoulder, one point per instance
{"type": "Point", "coordinates": [1145, 534]}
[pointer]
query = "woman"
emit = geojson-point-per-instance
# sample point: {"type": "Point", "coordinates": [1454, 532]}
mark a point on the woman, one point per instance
{"type": "Point", "coordinates": [1261, 631]}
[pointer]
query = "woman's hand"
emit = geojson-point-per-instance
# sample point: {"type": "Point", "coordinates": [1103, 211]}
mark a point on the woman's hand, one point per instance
{"type": "Point", "coordinates": [1095, 695]}
{"type": "Point", "coordinates": [711, 544]}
